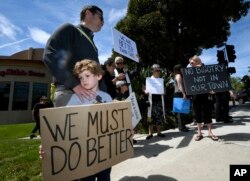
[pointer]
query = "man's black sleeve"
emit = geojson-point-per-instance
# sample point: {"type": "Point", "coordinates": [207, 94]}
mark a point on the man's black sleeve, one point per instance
{"type": "Point", "coordinates": [57, 53]}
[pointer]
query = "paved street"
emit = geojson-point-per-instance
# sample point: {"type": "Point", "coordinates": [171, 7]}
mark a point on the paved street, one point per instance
{"type": "Point", "coordinates": [179, 157]}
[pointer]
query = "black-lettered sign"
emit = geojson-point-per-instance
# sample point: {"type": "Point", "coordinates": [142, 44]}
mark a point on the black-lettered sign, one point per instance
{"type": "Point", "coordinates": [124, 45]}
{"type": "Point", "coordinates": [200, 80]}
{"type": "Point", "coordinates": [83, 140]}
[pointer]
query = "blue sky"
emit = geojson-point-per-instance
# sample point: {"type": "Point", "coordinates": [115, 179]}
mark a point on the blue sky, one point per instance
{"type": "Point", "coordinates": [29, 23]}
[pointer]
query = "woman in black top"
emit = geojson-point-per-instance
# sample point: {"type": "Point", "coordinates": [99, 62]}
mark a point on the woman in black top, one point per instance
{"type": "Point", "coordinates": [109, 77]}
{"type": "Point", "coordinates": [179, 91]}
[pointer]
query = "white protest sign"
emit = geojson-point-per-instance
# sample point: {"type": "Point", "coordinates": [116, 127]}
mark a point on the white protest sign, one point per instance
{"type": "Point", "coordinates": [154, 85]}
{"type": "Point", "coordinates": [83, 140]}
{"type": "Point", "coordinates": [136, 114]}
{"type": "Point", "coordinates": [124, 45]}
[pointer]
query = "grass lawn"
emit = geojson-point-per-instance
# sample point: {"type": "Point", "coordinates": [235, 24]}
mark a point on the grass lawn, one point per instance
{"type": "Point", "coordinates": [19, 159]}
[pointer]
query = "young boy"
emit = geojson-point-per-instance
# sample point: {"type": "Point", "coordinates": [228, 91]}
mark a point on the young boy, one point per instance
{"type": "Point", "coordinates": [90, 72]}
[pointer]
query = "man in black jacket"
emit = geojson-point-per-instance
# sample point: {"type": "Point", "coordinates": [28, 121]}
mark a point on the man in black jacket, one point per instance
{"type": "Point", "coordinates": [67, 45]}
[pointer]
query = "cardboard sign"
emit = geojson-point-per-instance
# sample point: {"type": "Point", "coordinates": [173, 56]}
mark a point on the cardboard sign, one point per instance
{"type": "Point", "coordinates": [83, 140]}
{"type": "Point", "coordinates": [201, 80]}
{"type": "Point", "coordinates": [154, 85]}
{"type": "Point", "coordinates": [136, 114]}
{"type": "Point", "coordinates": [124, 45]}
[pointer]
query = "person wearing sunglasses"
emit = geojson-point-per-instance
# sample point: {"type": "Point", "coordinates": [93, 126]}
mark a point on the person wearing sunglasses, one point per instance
{"type": "Point", "coordinates": [67, 45]}
{"type": "Point", "coordinates": [122, 74]}
{"type": "Point", "coordinates": [156, 108]}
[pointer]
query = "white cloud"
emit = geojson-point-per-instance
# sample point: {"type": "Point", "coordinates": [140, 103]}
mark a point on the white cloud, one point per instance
{"type": "Point", "coordinates": [39, 35]}
{"type": "Point", "coordinates": [116, 14]}
{"type": "Point", "coordinates": [104, 56]}
{"type": "Point", "coordinates": [13, 43]}
{"type": "Point", "coordinates": [7, 29]}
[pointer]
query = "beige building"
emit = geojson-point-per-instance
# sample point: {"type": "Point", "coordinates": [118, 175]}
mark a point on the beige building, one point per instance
{"type": "Point", "coordinates": [23, 80]}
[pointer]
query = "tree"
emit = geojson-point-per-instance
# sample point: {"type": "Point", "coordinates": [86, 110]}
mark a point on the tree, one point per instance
{"type": "Point", "coordinates": [169, 32]}
{"type": "Point", "coordinates": [237, 83]}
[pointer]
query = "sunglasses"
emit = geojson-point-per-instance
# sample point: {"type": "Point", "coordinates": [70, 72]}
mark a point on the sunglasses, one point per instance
{"type": "Point", "coordinates": [119, 63]}
{"type": "Point", "coordinates": [157, 70]}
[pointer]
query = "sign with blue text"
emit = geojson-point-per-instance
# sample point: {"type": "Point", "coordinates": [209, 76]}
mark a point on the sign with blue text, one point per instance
{"type": "Point", "coordinates": [201, 80]}
{"type": "Point", "coordinates": [124, 45]}
{"type": "Point", "coordinates": [79, 141]}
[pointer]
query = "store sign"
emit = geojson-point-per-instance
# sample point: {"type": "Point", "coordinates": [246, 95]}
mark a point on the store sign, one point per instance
{"type": "Point", "coordinates": [19, 72]}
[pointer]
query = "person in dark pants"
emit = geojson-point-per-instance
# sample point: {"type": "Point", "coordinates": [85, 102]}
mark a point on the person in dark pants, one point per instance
{"type": "Point", "coordinates": [179, 91]}
{"type": "Point", "coordinates": [43, 103]}
{"type": "Point", "coordinates": [222, 107]}
{"type": "Point", "coordinates": [202, 107]}
{"type": "Point", "coordinates": [156, 109]}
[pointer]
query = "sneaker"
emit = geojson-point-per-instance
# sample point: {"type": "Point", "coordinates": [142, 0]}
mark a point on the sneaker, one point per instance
{"type": "Point", "coordinates": [32, 136]}
{"type": "Point", "coordinates": [160, 135]}
{"type": "Point", "coordinates": [149, 137]}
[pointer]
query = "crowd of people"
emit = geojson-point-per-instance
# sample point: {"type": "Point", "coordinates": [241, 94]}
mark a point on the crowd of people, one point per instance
{"type": "Point", "coordinates": [72, 58]}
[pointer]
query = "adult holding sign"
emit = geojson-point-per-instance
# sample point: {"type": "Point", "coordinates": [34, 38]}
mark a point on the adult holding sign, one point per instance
{"type": "Point", "coordinates": [201, 106]}
{"type": "Point", "coordinates": [156, 111]}
{"type": "Point", "coordinates": [123, 74]}
{"type": "Point", "coordinates": [126, 47]}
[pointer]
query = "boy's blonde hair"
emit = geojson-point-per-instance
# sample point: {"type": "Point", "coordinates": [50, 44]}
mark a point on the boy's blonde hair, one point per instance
{"type": "Point", "coordinates": [90, 65]}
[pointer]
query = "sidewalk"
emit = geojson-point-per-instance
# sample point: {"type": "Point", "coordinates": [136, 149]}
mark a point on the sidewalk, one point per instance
{"type": "Point", "coordinates": [179, 157]}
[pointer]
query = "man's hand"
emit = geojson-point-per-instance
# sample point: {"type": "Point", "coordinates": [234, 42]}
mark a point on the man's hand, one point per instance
{"type": "Point", "coordinates": [84, 93]}
{"type": "Point", "coordinates": [121, 76]}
